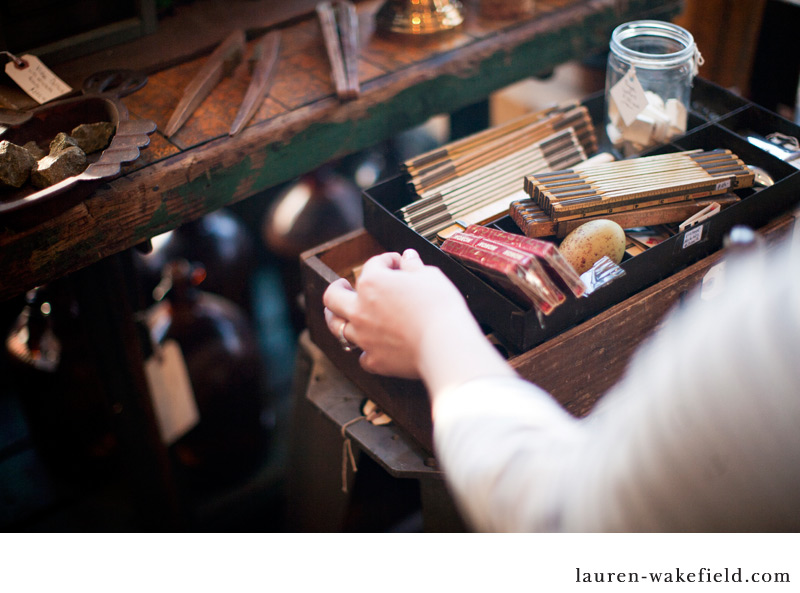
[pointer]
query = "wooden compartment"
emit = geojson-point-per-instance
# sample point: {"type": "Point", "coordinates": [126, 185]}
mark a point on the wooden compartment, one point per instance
{"type": "Point", "coordinates": [576, 366]}
{"type": "Point", "coordinates": [583, 347]}
{"type": "Point", "coordinates": [521, 328]}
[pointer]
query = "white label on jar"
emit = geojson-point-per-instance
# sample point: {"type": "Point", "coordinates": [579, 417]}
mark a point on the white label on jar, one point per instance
{"type": "Point", "coordinates": [629, 96]}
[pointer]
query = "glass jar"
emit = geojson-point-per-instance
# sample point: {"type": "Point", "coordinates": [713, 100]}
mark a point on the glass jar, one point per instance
{"type": "Point", "coordinates": [651, 67]}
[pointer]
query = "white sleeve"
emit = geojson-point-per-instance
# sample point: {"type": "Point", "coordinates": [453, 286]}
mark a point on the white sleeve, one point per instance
{"type": "Point", "coordinates": [702, 434]}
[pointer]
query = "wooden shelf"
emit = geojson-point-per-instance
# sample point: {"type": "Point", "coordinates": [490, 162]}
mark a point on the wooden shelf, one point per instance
{"type": "Point", "coordinates": [301, 125]}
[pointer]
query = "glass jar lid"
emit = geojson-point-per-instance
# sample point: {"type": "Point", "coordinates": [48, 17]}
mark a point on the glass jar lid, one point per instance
{"type": "Point", "coordinates": [653, 44]}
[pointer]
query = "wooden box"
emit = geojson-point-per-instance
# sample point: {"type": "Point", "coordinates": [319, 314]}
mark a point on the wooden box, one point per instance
{"type": "Point", "coordinates": [584, 346]}
{"type": "Point", "coordinates": [576, 366]}
{"type": "Point", "coordinates": [520, 328]}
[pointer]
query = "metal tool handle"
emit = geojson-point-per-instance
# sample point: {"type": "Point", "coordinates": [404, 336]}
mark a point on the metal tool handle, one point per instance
{"type": "Point", "coordinates": [119, 83]}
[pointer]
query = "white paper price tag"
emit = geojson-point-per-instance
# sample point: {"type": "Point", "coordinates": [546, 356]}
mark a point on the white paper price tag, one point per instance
{"type": "Point", "coordinates": [171, 391]}
{"type": "Point", "coordinates": [36, 79]}
{"type": "Point", "coordinates": [723, 185]}
{"type": "Point", "coordinates": [692, 236]}
{"type": "Point", "coordinates": [629, 96]}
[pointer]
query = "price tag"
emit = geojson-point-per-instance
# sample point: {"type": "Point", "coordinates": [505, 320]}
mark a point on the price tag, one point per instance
{"type": "Point", "coordinates": [36, 79]}
{"type": "Point", "coordinates": [173, 397]}
{"type": "Point", "coordinates": [629, 97]}
{"type": "Point", "coordinates": [723, 185]}
{"type": "Point", "coordinates": [692, 236]}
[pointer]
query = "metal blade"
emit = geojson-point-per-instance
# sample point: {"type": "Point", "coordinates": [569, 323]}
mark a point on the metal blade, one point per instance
{"type": "Point", "coordinates": [330, 34]}
{"type": "Point", "coordinates": [230, 50]}
{"type": "Point", "coordinates": [267, 52]}
{"type": "Point", "coordinates": [339, 23]}
{"type": "Point", "coordinates": [348, 20]}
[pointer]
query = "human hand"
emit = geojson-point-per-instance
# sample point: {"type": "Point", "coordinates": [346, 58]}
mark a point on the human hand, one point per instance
{"type": "Point", "coordinates": [397, 302]}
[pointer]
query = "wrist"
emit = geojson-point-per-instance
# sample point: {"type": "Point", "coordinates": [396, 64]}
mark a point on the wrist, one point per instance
{"type": "Point", "coordinates": [454, 350]}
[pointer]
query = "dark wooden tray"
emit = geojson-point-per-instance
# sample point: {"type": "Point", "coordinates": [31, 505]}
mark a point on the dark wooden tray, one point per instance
{"type": "Point", "coordinates": [576, 366]}
{"type": "Point", "coordinates": [521, 328]}
{"type": "Point", "coordinates": [28, 205]}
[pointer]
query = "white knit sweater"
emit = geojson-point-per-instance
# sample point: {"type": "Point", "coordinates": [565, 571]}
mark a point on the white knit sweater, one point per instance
{"type": "Point", "coordinates": [702, 434]}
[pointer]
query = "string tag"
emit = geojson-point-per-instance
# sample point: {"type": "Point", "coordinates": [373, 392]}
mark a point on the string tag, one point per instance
{"type": "Point", "coordinates": [629, 96]}
{"type": "Point", "coordinates": [36, 79]}
{"type": "Point", "coordinates": [171, 391]}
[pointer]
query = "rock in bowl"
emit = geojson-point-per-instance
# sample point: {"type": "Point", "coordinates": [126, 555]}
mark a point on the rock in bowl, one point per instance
{"type": "Point", "coordinates": [29, 205]}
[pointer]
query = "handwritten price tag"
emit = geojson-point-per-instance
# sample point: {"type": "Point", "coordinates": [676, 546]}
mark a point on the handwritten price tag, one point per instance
{"type": "Point", "coordinates": [629, 96]}
{"type": "Point", "coordinates": [36, 79]}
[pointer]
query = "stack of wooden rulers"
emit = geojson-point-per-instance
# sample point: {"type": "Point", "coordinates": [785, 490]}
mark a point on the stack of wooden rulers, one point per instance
{"type": "Point", "coordinates": [474, 180]}
{"type": "Point", "coordinates": [658, 189]}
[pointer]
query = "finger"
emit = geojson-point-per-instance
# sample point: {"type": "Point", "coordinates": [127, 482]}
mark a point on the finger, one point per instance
{"type": "Point", "coordinates": [340, 298]}
{"type": "Point", "coordinates": [341, 284]}
{"type": "Point", "coordinates": [410, 261]}
{"type": "Point", "coordinates": [394, 264]}
{"type": "Point", "coordinates": [388, 260]}
{"type": "Point", "coordinates": [340, 328]}
{"type": "Point", "coordinates": [333, 321]}
{"type": "Point", "coordinates": [369, 364]}
{"type": "Point", "coordinates": [372, 365]}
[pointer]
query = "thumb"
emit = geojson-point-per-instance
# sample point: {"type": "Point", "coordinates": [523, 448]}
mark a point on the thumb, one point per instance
{"type": "Point", "coordinates": [411, 261]}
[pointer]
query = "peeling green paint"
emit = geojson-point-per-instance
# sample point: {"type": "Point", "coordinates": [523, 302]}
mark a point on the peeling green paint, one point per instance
{"type": "Point", "coordinates": [160, 216]}
{"type": "Point", "coordinates": [325, 141]}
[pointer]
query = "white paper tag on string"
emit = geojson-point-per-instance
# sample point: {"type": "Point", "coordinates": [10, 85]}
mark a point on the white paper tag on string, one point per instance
{"type": "Point", "coordinates": [36, 79]}
{"type": "Point", "coordinates": [171, 390]}
{"type": "Point", "coordinates": [629, 96]}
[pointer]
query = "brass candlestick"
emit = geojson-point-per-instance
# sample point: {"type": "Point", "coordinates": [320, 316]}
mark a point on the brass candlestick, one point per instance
{"type": "Point", "coordinates": [419, 17]}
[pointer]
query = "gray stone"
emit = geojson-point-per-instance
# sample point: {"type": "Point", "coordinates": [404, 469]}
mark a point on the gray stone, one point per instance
{"type": "Point", "coordinates": [15, 164]}
{"type": "Point", "coordinates": [57, 166]}
{"type": "Point", "coordinates": [93, 137]}
{"type": "Point", "coordinates": [36, 151]}
{"type": "Point", "coordinates": [61, 142]}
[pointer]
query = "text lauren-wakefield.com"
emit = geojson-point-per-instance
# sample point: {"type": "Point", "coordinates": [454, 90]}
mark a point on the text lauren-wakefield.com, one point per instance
{"type": "Point", "coordinates": [704, 575]}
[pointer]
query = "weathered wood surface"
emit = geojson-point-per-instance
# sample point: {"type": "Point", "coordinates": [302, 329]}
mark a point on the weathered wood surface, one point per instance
{"type": "Point", "coordinates": [301, 125]}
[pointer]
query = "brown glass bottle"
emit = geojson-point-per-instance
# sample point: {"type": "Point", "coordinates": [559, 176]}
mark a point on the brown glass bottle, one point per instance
{"type": "Point", "coordinates": [315, 208]}
{"type": "Point", "coordinates": [226, 374]}
{"type": "Point", "coordinates": [220, 242]}
{"type": "Point", "coordinates": [61, 391]}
